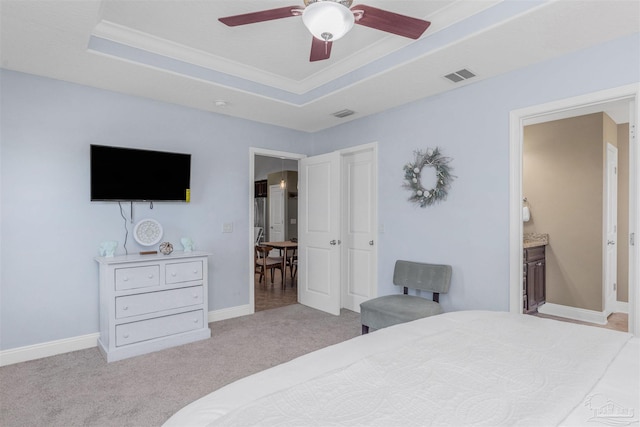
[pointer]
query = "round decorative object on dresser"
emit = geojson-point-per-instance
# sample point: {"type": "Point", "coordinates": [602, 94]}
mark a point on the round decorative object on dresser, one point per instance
{"type": "Point", "coordinates": [147, 232]}
{"type": "Point", "coordinates": [166, 248]}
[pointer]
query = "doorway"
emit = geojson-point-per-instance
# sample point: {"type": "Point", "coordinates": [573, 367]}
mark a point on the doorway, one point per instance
{"type": "Point", "coordinates": [569, 173]}
{"type": "Point", "coordinates": [273, 217]}
{"type": "Point", "coordinates": [626, 96]}
{"type": "Point", "coordinates": [356, 277]}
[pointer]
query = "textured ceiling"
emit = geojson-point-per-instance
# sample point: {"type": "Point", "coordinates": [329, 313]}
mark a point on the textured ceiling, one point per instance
{"type": "Point", "coordinates": [178, 52]}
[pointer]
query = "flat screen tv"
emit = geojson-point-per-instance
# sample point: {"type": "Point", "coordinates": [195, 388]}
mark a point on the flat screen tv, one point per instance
{"type": "Point", "coordinates": [129, 174]}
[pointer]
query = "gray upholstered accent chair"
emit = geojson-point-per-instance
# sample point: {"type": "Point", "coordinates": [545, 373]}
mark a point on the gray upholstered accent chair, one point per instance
{"type": "Point", "coordinates": [391, 310]}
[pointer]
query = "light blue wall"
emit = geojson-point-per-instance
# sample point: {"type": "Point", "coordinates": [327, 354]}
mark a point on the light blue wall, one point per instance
{"type": "Point", "coordinates": [50, 229]}
{"type": "Point", "coordinates": [470, 230]}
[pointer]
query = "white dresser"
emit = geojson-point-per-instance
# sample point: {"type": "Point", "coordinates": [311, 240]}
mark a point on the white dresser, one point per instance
{"type": "Point", "coordinates": [151, 302]}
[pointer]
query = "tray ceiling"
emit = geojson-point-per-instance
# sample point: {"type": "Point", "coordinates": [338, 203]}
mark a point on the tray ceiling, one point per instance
{"type": "Point", "coordinates": [178, 52]}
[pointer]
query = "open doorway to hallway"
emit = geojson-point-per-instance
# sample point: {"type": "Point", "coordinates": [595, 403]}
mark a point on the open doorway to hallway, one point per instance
{"type": "Point", "coordinates": [275, 209]}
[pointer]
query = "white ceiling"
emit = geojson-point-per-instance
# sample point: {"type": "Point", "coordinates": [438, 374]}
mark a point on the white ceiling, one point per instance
{"type": "Point", "coordinates": [176, 51]}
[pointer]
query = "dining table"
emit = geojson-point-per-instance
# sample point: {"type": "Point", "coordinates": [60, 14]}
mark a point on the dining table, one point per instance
{"type": "Point", "coordinates": [285, 246]}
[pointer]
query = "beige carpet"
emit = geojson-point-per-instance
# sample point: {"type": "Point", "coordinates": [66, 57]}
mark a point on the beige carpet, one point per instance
{"type": "Point", "coordinates": [81, 389]}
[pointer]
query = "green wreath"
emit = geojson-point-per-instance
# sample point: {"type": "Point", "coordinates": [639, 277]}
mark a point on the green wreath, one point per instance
{"type": "Point", "coordinates": [428, 196]}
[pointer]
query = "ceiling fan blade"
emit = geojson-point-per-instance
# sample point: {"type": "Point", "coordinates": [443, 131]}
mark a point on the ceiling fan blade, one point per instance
{"type": "Point", "coordinates": [263, 15]}
{"type": "Point", "coordinates": [320, 50]}
{"type": "Point", "coordinates": [390, 22]}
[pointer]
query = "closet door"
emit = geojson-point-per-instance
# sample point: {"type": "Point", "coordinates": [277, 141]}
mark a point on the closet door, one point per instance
{"type": "Point", "coordinates": [359, 228]}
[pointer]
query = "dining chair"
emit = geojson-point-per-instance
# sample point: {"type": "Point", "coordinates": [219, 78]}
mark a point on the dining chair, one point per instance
{"type": "Point", "coordinates": [265, 262]}
{"type": "Point", "coordinates": [292, 263]}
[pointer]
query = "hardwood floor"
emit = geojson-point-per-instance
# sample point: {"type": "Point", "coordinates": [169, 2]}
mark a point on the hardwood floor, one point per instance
{"type": "Point", "coordinates": [616, 321]}
{"type": "Point", "coordinates": [273, 296]}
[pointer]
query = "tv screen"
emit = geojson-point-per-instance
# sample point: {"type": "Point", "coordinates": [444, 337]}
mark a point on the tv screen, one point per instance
{"type": "Point", "coordinates": [128, 174]}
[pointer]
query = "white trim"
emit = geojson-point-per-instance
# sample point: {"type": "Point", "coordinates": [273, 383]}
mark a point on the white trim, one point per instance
{"type": "Point", "coordinates": [597, 317]}
{"type": "Point", "coordinates": [66, 345]}
{"type": "Point", "coordinates": [46, 349]}
{"type": "Point", "coordinates": [517, 119]}
{"type": "Point", "coordinates": [230, 313]}
{"type": "Point", "coordinates": [621, 307]}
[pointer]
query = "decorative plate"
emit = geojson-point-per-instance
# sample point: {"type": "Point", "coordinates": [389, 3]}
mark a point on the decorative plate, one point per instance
{"type": "Point", "coordinates": [147, 232]}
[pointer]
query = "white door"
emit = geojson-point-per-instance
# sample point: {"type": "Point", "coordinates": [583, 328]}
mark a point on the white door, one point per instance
{"type": "Point", "coordinates": [359, 228]}
{"type": "Point", "coordinates": [319, 232]}
{"type": "Point", "coordinates": [276, 213]}
{"type": "Point", "coordinates": [611, 230]}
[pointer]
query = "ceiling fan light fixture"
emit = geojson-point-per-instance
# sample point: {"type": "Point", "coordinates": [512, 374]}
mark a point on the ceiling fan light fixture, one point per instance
{"type": "Point", "coordinates": [328, 20]}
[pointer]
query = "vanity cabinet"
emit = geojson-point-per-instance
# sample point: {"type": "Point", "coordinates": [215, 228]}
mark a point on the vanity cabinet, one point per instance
{"type": "Point", "coordinates": [151, 302]}
{"type": "Point", "coordinates": [534, 280]}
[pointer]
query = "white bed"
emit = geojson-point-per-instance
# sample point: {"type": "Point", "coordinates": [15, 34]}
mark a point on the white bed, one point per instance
{"type": "Point", "coordinates": [461, 368]}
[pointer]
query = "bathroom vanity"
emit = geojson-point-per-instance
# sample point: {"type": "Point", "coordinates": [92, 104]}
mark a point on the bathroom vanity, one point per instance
{"type": "Point", "coordinates": [534, 267]}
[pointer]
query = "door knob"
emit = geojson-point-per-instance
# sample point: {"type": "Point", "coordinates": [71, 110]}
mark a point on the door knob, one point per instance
{"type": "Point", "coordinates": [611, 242]}
{"type": "Point", "coordinates": [333, 242]}
{"type": "Point", "coordinates": [370, 242]}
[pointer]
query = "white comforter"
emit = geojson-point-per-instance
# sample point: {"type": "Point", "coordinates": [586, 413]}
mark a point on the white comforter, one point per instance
{"type": "Point", "coordinates": [463, 368]}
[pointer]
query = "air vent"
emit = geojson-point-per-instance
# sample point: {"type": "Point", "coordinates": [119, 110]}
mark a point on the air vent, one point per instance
{"type": "Point", "coordinates": [343, 113]}
{"type": "Point", "coordinates": [460, 75]}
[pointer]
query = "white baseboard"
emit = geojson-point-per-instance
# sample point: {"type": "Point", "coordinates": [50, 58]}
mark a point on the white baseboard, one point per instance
{"type": "Point", "coordinates": [230, 313]}
{"type": "Point", "coordinates": [597, 317]}
{"type": "Point", "coordinates": [621, 307]}
{"type": "Point", "coordinates": [46, 349]}
{"type": "Point", "coordinates": [52, 348]}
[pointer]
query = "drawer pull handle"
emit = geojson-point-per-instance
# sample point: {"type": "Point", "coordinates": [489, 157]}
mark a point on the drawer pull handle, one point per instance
{"type": "Point", "coordinates": [195, 320]}
{"type": "Point", "coordinates": [125, 308]}
{"type": "Point", "coordinates": [125, 279]}
{"type": "Point", "coordinates": [195, 296]}
{"type": "Point", "coordinates": [173, 274]}
{"type": "Point", "coordinates": [195, 271]}
{"type": "Point", "coordinates": [150, 276]}
{"type": "Point", "coordinates": [126, 336]}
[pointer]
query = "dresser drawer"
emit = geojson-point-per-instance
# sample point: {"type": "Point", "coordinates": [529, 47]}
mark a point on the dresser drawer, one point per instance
{"type": "Point", "coordinates": [183, 271]}
{"type": "Point", "coordinates": [137, 277]}
{"type": "Point", "coordinates": [130, 333]}
{"type": "Point", "coordinates": [151, 302]}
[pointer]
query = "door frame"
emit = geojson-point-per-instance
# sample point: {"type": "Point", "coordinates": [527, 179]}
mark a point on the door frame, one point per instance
{"type": "Point", "coordinates": [253, 152]}
{"type": "Point", "coordinates": [517, 121]}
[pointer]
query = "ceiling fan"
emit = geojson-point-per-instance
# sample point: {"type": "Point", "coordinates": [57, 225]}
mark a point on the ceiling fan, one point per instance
{"type": "Point", "coordinates": [329, 20]}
